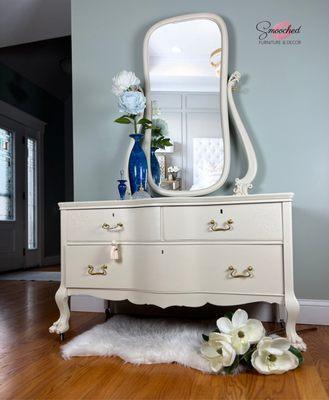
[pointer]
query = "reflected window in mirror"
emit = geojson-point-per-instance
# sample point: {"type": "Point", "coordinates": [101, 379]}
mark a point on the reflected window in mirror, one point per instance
{"type": "Point", "coordinates": [184, 72]}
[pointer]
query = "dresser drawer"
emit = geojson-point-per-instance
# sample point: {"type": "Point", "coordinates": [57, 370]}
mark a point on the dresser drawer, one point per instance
{"type": "Point", "coordinates": [249, 222]}
{"type": "Point", "coordinates": [124, 224]}
{"type": "Point", "coordinates": [179, 269]}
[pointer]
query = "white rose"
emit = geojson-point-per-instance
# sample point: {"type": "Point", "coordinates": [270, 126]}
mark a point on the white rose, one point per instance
{"type": "Point", "coordinates": [272, 356]}
{"type": "Point", "coordinates": [123, 81]}
{"type": "Point", "coordinates": [218, 351]}
{"type": "Point", "coordinates": [242, 330]}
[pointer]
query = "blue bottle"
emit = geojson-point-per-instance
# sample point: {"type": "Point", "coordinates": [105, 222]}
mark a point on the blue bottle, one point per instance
{"type": "Point", "coordinates": [122, 187]}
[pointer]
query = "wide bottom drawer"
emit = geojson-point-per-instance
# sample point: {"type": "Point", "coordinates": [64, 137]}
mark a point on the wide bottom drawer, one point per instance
{"type": "Point", "coordinates": [241, 269]}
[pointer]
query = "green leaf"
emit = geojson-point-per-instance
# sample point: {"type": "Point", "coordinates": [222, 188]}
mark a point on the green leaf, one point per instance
{"type": "Point", "coordinates": [144, 121]}
{"type": "Point", "coordinates": [229, 370]}
{"type": "Point", "coordinates": [123, 120]}
{"type": "Point", "coordinates": [205, 337]}
{"type": "Point", "coordinates": [247, 355]}
{"type": "Point", "coordinates": [229, 315]}
{"type": "Point", "coordinates": [167, 142]}
{"type": "Point", "coordinates": [297, 353]}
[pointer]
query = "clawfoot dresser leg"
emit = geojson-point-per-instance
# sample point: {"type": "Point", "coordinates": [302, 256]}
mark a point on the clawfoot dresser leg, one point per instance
{"type": "Point", "coordinates": [62, 324]}
{"type": "Point", "coordinates": [292, 307]}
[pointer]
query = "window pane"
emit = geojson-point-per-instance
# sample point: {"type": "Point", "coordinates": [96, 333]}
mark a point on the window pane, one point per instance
{"type": "Point", "coordinates": [6, 176]}
{"type": "Point", "coordinates": [31, 194]}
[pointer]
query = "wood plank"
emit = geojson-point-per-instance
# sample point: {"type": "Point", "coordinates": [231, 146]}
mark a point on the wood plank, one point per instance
{"type": "Point", "coordinates": [31, 366]}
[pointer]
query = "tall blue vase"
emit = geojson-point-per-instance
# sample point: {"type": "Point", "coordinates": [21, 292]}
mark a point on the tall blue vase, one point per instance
{"type": "Point", "coordinates": [137, 165]}
{"type": "Point", "coordinates": [155, 166]}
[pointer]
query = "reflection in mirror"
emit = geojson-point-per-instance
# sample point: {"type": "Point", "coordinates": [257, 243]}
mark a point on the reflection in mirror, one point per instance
{"type": "Point", "coordinates": [184, 72]}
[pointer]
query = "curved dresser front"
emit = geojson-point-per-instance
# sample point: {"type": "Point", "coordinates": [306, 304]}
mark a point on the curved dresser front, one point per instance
{"type": "Point", "coordinates": [179, 251]}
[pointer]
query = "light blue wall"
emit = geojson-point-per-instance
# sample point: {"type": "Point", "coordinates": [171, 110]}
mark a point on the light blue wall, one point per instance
{"type": "Point", "coordinates": [284, 102]}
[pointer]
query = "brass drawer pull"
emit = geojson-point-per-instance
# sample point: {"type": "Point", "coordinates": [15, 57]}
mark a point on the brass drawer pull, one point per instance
{"type": "Point", "coordinates": [91, 270]}
{"type": "Point", "coordinates": [215, 228]}
{"type": "Point", "coordinates": [108, 227]}
{"type": "Point", "coordinates": [247, 273]}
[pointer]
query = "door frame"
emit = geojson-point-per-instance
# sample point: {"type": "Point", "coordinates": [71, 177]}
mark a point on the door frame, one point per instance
{"type": "Point", "coordinates": [38, 127]}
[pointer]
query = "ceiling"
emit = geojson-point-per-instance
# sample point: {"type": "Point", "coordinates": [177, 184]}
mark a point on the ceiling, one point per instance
{"type": "Point", "coordinates": [24, 21]}
{"type": "Point", "coordinates": [46, 63]}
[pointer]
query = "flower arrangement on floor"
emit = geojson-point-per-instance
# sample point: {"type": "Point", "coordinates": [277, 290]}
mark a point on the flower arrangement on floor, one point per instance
{"type": "Point", "coordinates": [242, 341]}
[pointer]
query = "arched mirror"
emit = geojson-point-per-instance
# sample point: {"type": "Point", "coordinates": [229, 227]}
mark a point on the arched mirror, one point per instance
{"type": "Point", "coordinates": [185, 67]}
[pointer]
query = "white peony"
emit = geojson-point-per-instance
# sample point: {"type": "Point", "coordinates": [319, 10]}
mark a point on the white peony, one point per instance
{"type": "Point", "coordinates": [243, 331]}
{"type": "Point", "coordinates": [218, 351]}
{"type": "Point", "coordinates": [173, 169]}
{"type": "Point", "coordinates": [272, 356]}
{"type": "Point", "coordinates": [123, 81]}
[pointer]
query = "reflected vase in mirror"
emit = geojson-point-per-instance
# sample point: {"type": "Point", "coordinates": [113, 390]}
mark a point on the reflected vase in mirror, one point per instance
{"type": "Point", "coordinates": [155, 166]}
{"type": "Point", "coordinates": [137, 165]}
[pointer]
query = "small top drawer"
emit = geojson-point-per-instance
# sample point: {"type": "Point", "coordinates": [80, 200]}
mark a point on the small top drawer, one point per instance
{"type": "Point", "coordinates": [245, 222]}
{"type": "Point", "coordinates": [122, 224]}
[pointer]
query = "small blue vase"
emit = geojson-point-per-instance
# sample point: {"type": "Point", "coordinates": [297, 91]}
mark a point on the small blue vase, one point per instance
{"type": "Point", "coordinates": [122, 187]}
{"type": "Point", "coordinates": [137, 165]}
{"type": "Point", "coordinates": [155, 166]}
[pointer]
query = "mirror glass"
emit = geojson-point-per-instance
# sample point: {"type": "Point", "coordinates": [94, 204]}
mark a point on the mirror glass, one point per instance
{"type": "Point", "coordinates": [184, 66]}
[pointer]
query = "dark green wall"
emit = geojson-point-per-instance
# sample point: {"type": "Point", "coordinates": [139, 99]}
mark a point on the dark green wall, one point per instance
{"type": "Point", "coordinates": [24, 95]}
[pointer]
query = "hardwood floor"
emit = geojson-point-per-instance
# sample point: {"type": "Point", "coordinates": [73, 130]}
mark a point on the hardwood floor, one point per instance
{"type": "Point", "coordinates": [31, 366]}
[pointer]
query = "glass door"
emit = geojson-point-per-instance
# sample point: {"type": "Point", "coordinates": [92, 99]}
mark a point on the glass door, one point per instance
{"type": "Point", "coordinates": [11, 193]}
{"type": "Point", "coordinates": [20, 211]}
{"type": "Point", "coordinates": [32, 250]}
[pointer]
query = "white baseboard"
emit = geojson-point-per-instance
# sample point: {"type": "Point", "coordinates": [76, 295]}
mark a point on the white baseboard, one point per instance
{"type": "Point", "coordinates": [314, 312]}
{"type": "Point", "coordinates": [51, 260]}
{"type": "Point", "coordinates": [88, 304]}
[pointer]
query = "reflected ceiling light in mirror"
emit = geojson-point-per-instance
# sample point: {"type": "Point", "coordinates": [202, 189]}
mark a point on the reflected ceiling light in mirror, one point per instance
{"type": "Point", "coordinates": [179, 56]}
{"type": "Point", "coordinates": [176, 50]}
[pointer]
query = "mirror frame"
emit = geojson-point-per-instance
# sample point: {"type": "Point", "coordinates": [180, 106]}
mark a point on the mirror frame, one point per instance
{"type": "Point", "coordinates": [223, 104]}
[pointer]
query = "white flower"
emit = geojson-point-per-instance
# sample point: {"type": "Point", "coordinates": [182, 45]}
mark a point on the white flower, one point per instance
{"type": "Point", "coordinates": [273, 356]}
{"type": "Point", "coordinates": [123, 81]}
{"type": "Point", "coordinates": [218, 351]}
{"type": "Point", "coordinates": [161, 124]}
{"type": "Point", "coordinates": [243, 331]}
{"type": "Point", "coordinates": [173, 169]}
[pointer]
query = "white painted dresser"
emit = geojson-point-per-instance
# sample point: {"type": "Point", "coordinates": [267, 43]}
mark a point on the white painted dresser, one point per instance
{"type": "Point", "coordinates": [180, 251]}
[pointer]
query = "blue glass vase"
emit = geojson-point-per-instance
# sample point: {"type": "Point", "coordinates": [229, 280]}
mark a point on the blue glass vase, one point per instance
{"type": "Point", "coordinates": [122, 187]}
{"type": "Point", "coordinates": [155, 166]}
{"type": "Point", "coordinates": [137, 165]}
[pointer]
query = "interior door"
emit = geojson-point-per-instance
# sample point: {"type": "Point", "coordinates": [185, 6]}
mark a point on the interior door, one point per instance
{"type": "Point", "coordinates": [20, 210]}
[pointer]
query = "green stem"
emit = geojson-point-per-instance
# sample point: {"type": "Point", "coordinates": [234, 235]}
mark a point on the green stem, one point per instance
{"type": "Point", "coordinates": [135, 123]}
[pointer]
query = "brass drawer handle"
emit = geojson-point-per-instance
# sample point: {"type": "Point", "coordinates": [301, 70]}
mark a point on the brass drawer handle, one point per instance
{"type": "Point", "coordinates": [215, 228]}
{"type": "Point", "coordinates": [91, 270]}
{"type": "Point", "coordinates": [247, 273]}
{"type": "Point", "coordinates": [108, 227]}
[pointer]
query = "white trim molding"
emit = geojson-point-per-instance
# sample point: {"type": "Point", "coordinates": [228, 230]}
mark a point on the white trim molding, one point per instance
{"type": "Point", "coordinates": [314, 312]}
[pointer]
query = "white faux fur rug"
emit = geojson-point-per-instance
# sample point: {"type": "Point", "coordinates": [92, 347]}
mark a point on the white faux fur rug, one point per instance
{"type": "Point", "coordinates": [144, 341]}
